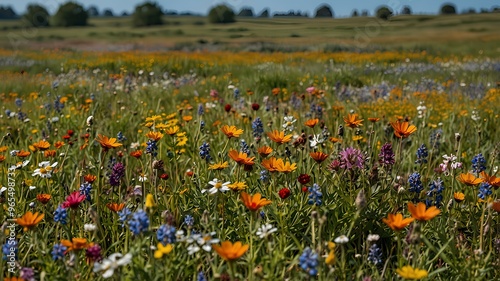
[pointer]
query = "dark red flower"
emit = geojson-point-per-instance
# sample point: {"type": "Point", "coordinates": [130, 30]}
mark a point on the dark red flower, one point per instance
{"type": "Point", "coordinates": [304, 178]}
{"type": "Point", "coordinates": [255, 106]}
{"type": "Point", "coordinates": [164, 176]}
{"type": "Point", "coordinates": [73, 200]}
{"type": "Point", "coordinates": [227, 107]}
{"type": "Point", "coordinates": [70, 132]}
{"type": "Point", "coordinates": [66, 137]}
{"type": "Point", "coordinates": [305, 189]}
{"type": "Point", "coordinates": [284, 193]}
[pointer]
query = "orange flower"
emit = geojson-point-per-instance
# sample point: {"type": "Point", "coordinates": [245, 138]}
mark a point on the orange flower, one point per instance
{"type": "Point", "coordinates": [285, 167]}
{"type": "Point", "coordinates": [311, 122]}
{"type": "Point", "coordinates": [187, 118]}
{"type": "Point", "coordinates": [403, 129]}
{"type": "Point", "coordinates": [254, 202]}
{"type": "Point", "coordinates": [42, 145]}
{"type": "Point", "coordinates": [49, 153]}
{"type": "Point", "coordinates": [2, 158]}
{"type": "Point", "coordinates": [352, 121]}
{"type": "Point", "coordinates": [270, 164]}
{"type": "Point", "coordinates": [241, 158]}
{"type": "Point", "coordinates": [264, 151]}
{"type": "Point", "coordinates": [279, 137]}
{"type": "Point", "coordinates": [459, 197]}
{"type": "Point", "coordinates": [229, 251]}
{"type": "Point", "coordinates": [75, 244]}
{"type": "Point", "coordinates": [3, 148]}
{"type": "Point", "coordinates": [373, 119]}
{"type": "Point", "coordinates": [419, 211]}
{"type": "Point", "coordinates": [496, 206]}
{"type": "Point", "coordinates": [156, 136]}
{"type": "Point", "coordinates": [29, 220]}
{"type": "Point", "coordinates": [23, 153]}
{"type": "Point", "coordinates": [43, 198]}
{"type": "Point", "coordinates": [318, 156]}
{"type": "Point", "coordinates": [137, 154]}
{"type": "Point", "coordinates": [107, 143]}
{"type": "Point", "coordinates": [276, 91]}
{"type": "Point", "coordinates": [58, 144]}
{"type": "Point", "coordinates": [172, 130]}
{"type": "Point", "coordinates": [13, 279]}
{"type": "Point", "coordinates": [492, 180]}
{"type": "Point", "coordinates": [89, 178]}
{"type": "Point", "coordinates": [115, 207]}
{"type": "Point", "coordinates": [469, 179]}
{"type": "Point", "coordinates": [335, 140]}
{"type": "Point", "coordinates": [231, 131]}
{"type": "Point", "coordinates": [396, 221]}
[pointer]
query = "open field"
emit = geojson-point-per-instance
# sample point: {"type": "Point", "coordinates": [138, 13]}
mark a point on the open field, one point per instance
{"type": "Point", "coordinates": [123, 156]}
{"type": "Point", "coordinates": [458, 33]}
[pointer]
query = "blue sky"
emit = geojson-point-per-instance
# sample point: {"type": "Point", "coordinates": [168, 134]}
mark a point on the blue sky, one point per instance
{"type": "Point", "coordinates": [340, 8]}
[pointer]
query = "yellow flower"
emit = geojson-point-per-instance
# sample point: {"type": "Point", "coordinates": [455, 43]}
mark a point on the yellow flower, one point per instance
{"type": "Point", "coordinates": [163, 250]}
{"type": "Point", "coordinates": [156, 136]}
{"type": "Point", "coordinates": [409, 272]}
{"type": "Point", "coordinates": [231, 131]}
{"type": "Point", "coordinates": [172, 130]}
{"type": "Point", "coordinates": [218, 166]}
{"type": "Point", "coordinates": [150, 201]}
{"type": "Point", "coordinates": [238, 186]}
{"type": "Point", "coordinates": [154, 118]}
{"type": "Point", "coordinates": [330, 259]}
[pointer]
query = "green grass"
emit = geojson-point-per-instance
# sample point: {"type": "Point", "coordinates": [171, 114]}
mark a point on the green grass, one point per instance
{"type": "Point", "coordinates": [463, 31]}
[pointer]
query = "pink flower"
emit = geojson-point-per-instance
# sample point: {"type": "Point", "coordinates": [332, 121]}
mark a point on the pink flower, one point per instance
{"type": "Point", "coordinates": [73, 200]}
{"type": "Point", "coordinates": [310, 89]}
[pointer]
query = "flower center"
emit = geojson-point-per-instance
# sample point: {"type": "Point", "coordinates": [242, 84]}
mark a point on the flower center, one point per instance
{"type": "Point", "coordinates": [218, 185]}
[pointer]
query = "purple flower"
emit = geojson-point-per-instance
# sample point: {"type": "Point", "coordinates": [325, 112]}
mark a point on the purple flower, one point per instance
{"type": "Point", "coordinates": [28, 274]}
{"type": "Point", "coordinates": [117, 173]}
{"type": "Point", "coordinates": [93, 253]}
{"type": "Point", "coordinates": [386, 156]}
{"type": "Point", "coordinates": [351, 158]}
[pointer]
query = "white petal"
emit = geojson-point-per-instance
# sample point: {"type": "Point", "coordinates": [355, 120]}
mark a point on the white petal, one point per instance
{"type": "Point", "coordinates": [125, 260]}
{"type": "Point", "coordinates": [108, 273]}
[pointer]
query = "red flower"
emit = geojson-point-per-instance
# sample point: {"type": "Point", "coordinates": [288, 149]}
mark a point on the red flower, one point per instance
{"type": "Point", "coordinates": [70, 132]}
{"type": "Point", "coordinates": [255, 106]}
{"type": "Point", "coordinates": [304, 178]}
{"type": "Point", "coordinates": [164, 176]}
{"type": "Point", "coordinates": [305, 189]}
{"type": "Point", "coordinates": [284, 193]}
{"type": "Point", "coordinates": [73, 200]}
{"type": "Point", "coordinates": [66, 137]}
{"type": "Point", "coordinates": [227, 107]}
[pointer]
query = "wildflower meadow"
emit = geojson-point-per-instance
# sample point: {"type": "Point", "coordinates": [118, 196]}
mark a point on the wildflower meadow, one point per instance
{"type": "Point", "coordinates": [249, 166]}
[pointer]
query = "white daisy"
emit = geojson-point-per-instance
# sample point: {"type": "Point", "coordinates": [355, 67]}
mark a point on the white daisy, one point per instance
{"type": "Point", "coordinates": [288, 124]}
{"type": "Point", "coordinates": [19, 165]}
{"type": "Point", "coordinates": [111, 263]}
{"type": "Point", "coordinates": [342, 239]}
{"type": "Point", "coordinates": [206, 241]}
{"type": "Point", "coordinates": [45, 170]}
{"type": "Point", "coordinates": [265, 230]}
{"type": "Point", "coordinates": [217, 185]}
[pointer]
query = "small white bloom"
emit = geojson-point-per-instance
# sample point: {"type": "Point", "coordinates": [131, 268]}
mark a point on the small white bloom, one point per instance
{"type": "Point", "coordinates": [288, 124]}
{"type": "Point", "coordinates": [217, 185]}
{"type": "Point", "coordinates": [19, 165]}
{"type": "Point", "coordinates": [315, 141]}
{"type": "Point", "coordinates": [89, 227]}
{"type": "Point", "coordinates": [230, 87]}
{"type": "Point", "coordinates": [32, 187]}
{"type": "Point", "coordinates": [266, 230]}
{"type": "Point", "coordinates": [54, 119]}
{"type": "Point", "coordinates": [13, 152]}
{"type": "Point", "coordinates": [206, 241]}
{"type": "Point", "coordinates": [143, 178]}
{"type": "Point", "coordinates": [32, 204]}
{"type": "Point", "coordinates": [134, 145]}
{"type": "Point", "coordinates": [342, 239]}
{"type": "Point", "coordinates": [193, 248]}
{"type": "Point", "coordinates": [111, 263]}
{"type": "Point", "coordinates": [373, 237]}
{"type": "Point", "coordinates": [45, 170]}
{"type": "Point", "coordinates": [3, 189]}
{"type": "Point", "coordinates": [90, 120]}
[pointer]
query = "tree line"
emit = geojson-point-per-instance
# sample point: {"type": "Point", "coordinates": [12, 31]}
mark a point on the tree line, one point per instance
{"type": "Point", "coordinates": [150, 13]}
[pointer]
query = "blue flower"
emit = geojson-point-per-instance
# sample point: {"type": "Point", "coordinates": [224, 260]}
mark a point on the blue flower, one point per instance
{"type": "Point", "coordinates": [415, 183]}
{"type": "Point", "coordinates": [484, 190]}
{"type": "Point", "coordinates": [244, 147]}
{"type": "Point", "coordinates": [189, 220]}
{"type": "Point", "coordinates": [257, 128]}
{"type": "Point", "coordinates": [60, 215]}
{"type": "Point", "coordinates": [10, 244]}
{"type": "Point", "coordinates": [264, 176]}
{"type": "Point", "coordinates": [478, 163]}
{"type": "Point", "coordinates": [166, 234]}
{"type": "Point", "coordinates": [86, 189]}
{"type": "Point", "coordinates": [201, 276]}
{"type": "Point", "coordinates": [205, 152]}
{"type": "Point", "coordinates": [58, 251]}
{"type": "Point", "coordinates": [151, 148]}
{"type": "Point", "coordinates": [139, 222]}
{"type": "Point", "coordinates": [120, 137]}
{"type": "Point", "coordinates": [200, 109]}
{"type": "Point", "coordinates": [124, 215]}
{"type": "Point", "coordinates": [315, 195]}
{"type": "Point", "coordinates": [435, 192]}
{"type": "Point", "coordinates": [308, 261]}
{"type": "Point", "coordinates": [422, 154]}
{"type": "Point", "coordinates": [375, 254]}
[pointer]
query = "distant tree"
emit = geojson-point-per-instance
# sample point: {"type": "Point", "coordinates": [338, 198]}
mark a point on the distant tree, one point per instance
{"type": "Point", "coordinates": [484, 11]}
{"type": "Point", "coordinates": [147, 14]}
{"type": "Point", "coordinates": [365, 13]}
{"type": "Point", "coordinates": [406, 10]}
{"type": "Point", "coordinates": [171, 12]}
{"type": "Point", "coordinates": [70, 14]}
{"type": "Point", "coordinates": [264, 13]}
{"type": "Point", "coordinates": [495, 9]}
{"type": "Point", "coordinates": [221, 14]}
{"type": "Point", "coordinates": [37, 15]}
{"type": "Point", "coordinates": [448, 9]}
{"type": "Point", "coordinates": [108, 13]}
{"type": "Point", "coordinates": [7, 13]}
{"type": "Point", "coordinates": [125, 14]}
{"type": "Point", "coordinates": [354, 13]}
{"type": "Point", "coordinates": [93, 11]}
{"type": "Point", "coordinates": [245, 12]}
{"type": "Point", "coordinates": [383, 12]}
{"type": "Point", "coordinates": [324, 11]}
{"type": "Point", "coordinates": [470, 11]}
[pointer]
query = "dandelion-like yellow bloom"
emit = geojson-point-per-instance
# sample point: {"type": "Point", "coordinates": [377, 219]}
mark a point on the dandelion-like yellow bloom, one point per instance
{"type": "Point", "coordinates": [409, 272]}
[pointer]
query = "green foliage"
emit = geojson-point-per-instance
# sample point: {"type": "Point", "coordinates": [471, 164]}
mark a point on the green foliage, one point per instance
{"type": "Point", "coordinates": [325, 11]}
{"type": "Point", "coordinates": [384, 13]}
{"type": "Point", "coordinates": [221, 14]}
{"type": "Point", "coordinates": [147, 14]}
{"type": "Point", "coordinates": [70, 14]}
{"type": "Point", "coordinates": [245, 12]}
{"type": "Point", "coordinates": [448, 9]}
{"type": "Point", "coordinates": [37, 16]}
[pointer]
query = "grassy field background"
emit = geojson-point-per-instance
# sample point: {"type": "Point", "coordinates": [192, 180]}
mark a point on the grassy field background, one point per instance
{"type": "Point", "coordinates": [474, 34]}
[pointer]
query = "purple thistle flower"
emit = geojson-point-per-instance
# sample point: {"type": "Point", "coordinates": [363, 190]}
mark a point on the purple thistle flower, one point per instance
{"type": "Point", "coordinates": [386, 156]}
{"type": "Point", "coordinates": [28, 274]}
{"type": "Point", "coordinates": [117, 173]}
{"type": "Point", "coordinates": [351, 158]}
{"type": "Point", "coordinates": [93, 253]}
